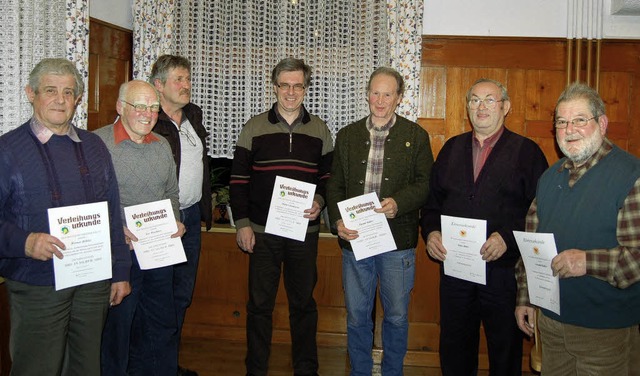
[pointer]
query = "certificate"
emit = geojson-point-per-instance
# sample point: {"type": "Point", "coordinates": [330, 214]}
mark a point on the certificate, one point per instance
{"type": "Point", "coordinates": [374, 234]}
{"type": "Point", "coordinates": [537, 250]}
{"type": "Point", "coordinates": [289, 200]}
{"type": "Point", "coordinates": [153, 224]}
{"type": "Point", "coordinates": [463, 238]}
{"type": "Point", "coordinates": [84, 230]}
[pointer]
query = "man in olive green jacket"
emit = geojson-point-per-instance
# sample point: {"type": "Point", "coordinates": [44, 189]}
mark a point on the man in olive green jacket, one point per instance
{"type": "Point", "coordinates": [391, 156]}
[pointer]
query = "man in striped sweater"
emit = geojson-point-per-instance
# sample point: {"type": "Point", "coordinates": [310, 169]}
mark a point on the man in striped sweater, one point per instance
{"type": "Point", "coordinates": [285, 141]}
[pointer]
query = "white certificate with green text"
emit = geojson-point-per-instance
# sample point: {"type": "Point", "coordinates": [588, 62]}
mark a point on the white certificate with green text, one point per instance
{"type": "Point", "coordinates": [289, 200]}
{"type": "Point", "coordinates": [153, 224]}
{"type": "Point", "coordinates": [84, 230]}
{"type": "Point", "coordinates": [374, 233]}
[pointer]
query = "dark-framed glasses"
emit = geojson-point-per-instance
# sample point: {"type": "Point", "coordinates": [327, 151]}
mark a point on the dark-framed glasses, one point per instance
{"type": "Point", "coordinates": [298, 88]}
{"type": "Point", "coordinates": [578, 122]}
{"type": "Point", "coordinates": [188, 135]}
{"type": "Point", "coordinates": [474, 103]}
{"type": "Point", "coordinates": [143, 107]}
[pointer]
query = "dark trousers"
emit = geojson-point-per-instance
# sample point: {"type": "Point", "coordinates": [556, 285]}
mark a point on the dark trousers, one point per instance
{"type": "Point", "coordinates": [463, 306]}
{"type": "Point", "coordinates": [56, 332]}
{"type": "Point", "coordinates": [139, 336]}
{"type": "Point", "coordinates": [184, 274]}
{"type": "Point", "coordinates": [298, 259]}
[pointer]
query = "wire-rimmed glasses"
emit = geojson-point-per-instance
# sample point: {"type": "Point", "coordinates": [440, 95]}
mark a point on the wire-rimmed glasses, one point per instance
{"type": "Point", "coordinates": [578, 122]}
{"type": "Point", "coordinates": [474, 103]}
{"type": "Point", "coordinates": [139, 107]}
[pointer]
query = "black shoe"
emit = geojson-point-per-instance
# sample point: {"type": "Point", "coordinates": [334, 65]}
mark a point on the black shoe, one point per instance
{"type": "Point", "coordinates": [186, 372]}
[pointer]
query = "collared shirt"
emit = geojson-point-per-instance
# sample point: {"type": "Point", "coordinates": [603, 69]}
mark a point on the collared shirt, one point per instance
{"type": "Point", "coordinates": [619, 266]}
{"type": "Point", "coordinates": [481, 152]}
{"type": "Point", "coordinates": [297, 120]}
{"type": "Point", "coordinates": [191, 165]}
{"type": "Point", "coordinates": [120, 134]}
{"type": "Point", "coordinates": [44, 134]}
{"type": "Point", "coordinates": [375, 160]}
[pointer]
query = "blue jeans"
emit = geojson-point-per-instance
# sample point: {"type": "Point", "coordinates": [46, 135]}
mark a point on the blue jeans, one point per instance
{"type": "Point", "coordinates": [184, 275]}
{"type": "Point", "coordinates": [139, 336]}
{"type": "Point", "coordinates": [395, 271]}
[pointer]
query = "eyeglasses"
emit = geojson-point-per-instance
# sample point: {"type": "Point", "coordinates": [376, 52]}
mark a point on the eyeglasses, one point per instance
{"type": "Point", "coordinates": [298, 88]}
{"type": "Point", "coordinates": [474, 103]}
{"type": "Point", "coordinates": [188, 135]}
{"type": "Point", "coordinates": [143, 107]}
{"type": "Point", "coordinates": [578, 122]}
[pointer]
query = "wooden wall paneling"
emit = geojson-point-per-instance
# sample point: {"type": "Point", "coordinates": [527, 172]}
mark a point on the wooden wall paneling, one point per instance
{"type": "Point", "coordinates": [525, 53]}
{"type": "Point", "coordinates": [634, 115]}
{"type": "Point", "coordinates": [433, 92]}
{"type": "Point", "coordinates": [516, 82]}
{"type": "Point", "coordinates": [218, 309]}
{"type": "Point", "coordinates": [456, 118]}
{"type": "Point", "coordinates": [615, 91]}
{"type": "Point", "coordinates": [620, 85]}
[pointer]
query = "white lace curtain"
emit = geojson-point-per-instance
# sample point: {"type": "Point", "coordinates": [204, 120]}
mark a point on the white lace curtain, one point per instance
{"type": "Point", "coordinates": [31, 31]}
{"type": "Point", "coordinates": [234, 45]}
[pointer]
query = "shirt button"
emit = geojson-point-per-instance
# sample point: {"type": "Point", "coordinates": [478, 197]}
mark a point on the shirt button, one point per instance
{"type": "Point", "coordinates": [363, 161]}
{"type": "Point", "coordinates": [361, 182]}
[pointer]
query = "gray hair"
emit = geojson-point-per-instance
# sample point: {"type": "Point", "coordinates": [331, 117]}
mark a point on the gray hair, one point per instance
{"type": "Point", "coordinates": [166, 63]}
{"type": "Point", "coordinates": [579, 90]}
{"type": "Point", "coordinates": [503, 89]}
{"type": "Point", "coordinates": [389, 72]}
{"type": "Point", "coordinates": [291, 65]}
{"type": "Point", "coordinates": [58, 67]}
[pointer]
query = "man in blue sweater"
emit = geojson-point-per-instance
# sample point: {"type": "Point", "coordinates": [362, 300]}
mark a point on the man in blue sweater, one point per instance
{"type": "Point", "coordinates": [47, 162]}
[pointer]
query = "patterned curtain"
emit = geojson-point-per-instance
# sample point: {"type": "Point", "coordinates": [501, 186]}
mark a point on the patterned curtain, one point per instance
{"type": "Point", "coordinates": [31, 31]}
{"type": "Point", "coordinates": [152, 33]}
{"type": "Point", "coordinates": [234, 45]}
{"type": "Point", "coordinates": [405, 41]}
{"type": "Point", "coordinates": [77, 50]}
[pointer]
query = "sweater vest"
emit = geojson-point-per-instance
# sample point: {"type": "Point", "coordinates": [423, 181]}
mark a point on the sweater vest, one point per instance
{"type": "Point", "coordinates": [585, 217]}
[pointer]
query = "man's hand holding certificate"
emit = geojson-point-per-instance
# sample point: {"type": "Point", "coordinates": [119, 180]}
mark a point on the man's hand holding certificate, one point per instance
{"type": "Point", "coordinates": [463, 238]}
{"type": "Point", "coordinates": [153, 224]}
{"type": "Point", "coordinates": [374, 234]}
{"type": "Point", "coordinates": [84, 230]}
{"type": "Point", "coordinates": [286, 213]}
{"type": "Point", "coordinates": [537, 250]}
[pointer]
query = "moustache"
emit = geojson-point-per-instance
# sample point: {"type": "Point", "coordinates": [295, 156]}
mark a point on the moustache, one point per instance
{"type": "Point", "coordinates": [185, 91]}
{"type": "Point", "coordinates": [572, 138]}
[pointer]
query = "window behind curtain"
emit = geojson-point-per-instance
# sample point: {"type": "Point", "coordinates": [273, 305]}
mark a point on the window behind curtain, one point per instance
{"type": "Point", "coordinates": [234, 45]}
